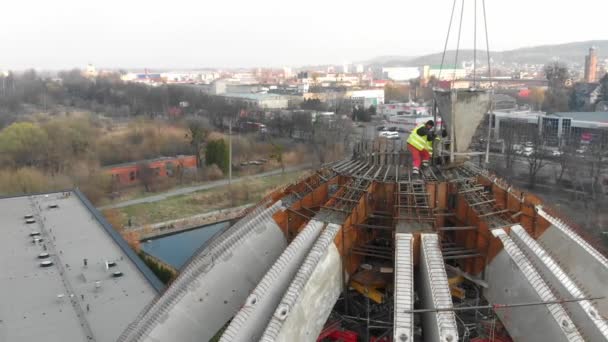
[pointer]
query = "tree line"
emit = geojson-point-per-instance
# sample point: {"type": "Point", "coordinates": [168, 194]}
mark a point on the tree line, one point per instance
{"type": "Point", "coordinates": [106, 94]}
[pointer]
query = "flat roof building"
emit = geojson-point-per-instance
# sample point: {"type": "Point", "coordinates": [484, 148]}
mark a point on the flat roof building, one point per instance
{"type": "Point", "coordinates": [555, 127]}
{"type": "Point", "coordinates": [260, 100]}
{"type": "Point", "coordinates": [67, 275]}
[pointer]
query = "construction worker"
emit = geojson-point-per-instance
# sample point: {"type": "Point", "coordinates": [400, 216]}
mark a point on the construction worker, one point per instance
{"type": "Point", "coordinates": [420, 144]}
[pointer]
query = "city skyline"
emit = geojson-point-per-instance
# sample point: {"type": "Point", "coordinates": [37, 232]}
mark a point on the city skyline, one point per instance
{"type": "Point", "coordinates": [67, 34]}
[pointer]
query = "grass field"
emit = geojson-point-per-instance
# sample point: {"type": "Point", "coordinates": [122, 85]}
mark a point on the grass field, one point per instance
{"type": "Point", "coordinates": [199, 202]}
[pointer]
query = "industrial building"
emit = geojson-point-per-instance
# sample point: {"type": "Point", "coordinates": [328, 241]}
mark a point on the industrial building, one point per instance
{"type": "Point", "coordinates": [66, 274]}
{"type": "Point", "coordinates": [367, 97]}
{"type": "Point", "coordinates": [407, 108]}
{"type": "Point", "coordinates": [554, 127]}
{"type": "Point", "coordinates": [443, 73]}
{"type": "Point", "coordinates": [401, 74]}
{"type": "Point", "coordinates": [260, 100]}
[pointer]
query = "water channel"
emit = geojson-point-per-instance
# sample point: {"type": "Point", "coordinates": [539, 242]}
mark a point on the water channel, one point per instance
{"type": "Point", "coordinates": [177, 249]}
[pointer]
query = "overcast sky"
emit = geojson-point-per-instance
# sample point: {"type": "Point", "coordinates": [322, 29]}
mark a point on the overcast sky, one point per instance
{"type": "Point", "coordinates": [58, 34]}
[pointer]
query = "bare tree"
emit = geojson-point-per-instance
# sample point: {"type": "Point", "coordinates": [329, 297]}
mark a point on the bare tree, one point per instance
{"type": "Point", "coordinates": [597, 156]}
{"type": "Point", "coordinates": [179, 172]}
{"type": "Point", "coordinates": [277, 154]}
{"type": "Point", "coordinates": [331, 137]}
{"type": "Point", "coordinates": [509, 132]}
{"type": "Point", "coordinates": [198, 131]}
{"type": "Point", "coordinates": [147, 175]}
{"type": "Point", "coordinates": [536, 158]}
{"type": "Point", "coordinates": [557, 96]}
{"type": "Point", "coordinates": [567, 160]}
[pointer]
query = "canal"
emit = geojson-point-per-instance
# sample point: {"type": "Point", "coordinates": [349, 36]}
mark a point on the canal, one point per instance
{"type": "Point", "coordinates": [177, 249]}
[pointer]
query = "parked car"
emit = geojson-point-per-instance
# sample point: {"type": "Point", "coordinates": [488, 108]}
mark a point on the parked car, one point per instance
{"type": "Point", "coordinates": [389, 135]}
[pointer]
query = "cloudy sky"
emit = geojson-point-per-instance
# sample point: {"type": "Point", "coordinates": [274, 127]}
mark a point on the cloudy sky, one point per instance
{"type": "Point", "coordinates": [229, 33]}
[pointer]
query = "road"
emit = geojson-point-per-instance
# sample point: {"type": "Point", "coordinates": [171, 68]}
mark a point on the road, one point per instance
{"type": "Point", "coordinates": [195, 188]}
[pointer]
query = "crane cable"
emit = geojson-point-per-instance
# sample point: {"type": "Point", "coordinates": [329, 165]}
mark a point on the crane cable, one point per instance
{"type": "Point", "coordinates": [491, 111]}
{"type": "Point", "coordinates": [458, 42]}
{"type": "Point", "coordinates": [447, 38]}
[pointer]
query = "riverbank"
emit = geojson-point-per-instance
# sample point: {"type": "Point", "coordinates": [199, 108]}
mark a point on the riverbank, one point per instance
{"type": "Point", "coordinates": [248, 190]}
{"type": "Point", "coordinates": [184, 224]}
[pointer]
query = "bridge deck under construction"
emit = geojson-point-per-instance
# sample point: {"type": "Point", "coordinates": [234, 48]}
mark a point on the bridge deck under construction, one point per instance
{"type": "Point", "coordinates": [363, 247]}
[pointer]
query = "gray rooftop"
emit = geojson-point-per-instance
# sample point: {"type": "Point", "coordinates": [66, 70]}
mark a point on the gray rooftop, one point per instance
{"type": "Point", "coordinates": [599, 117]}
{"type": "Point", "coordinates": [50, 303]}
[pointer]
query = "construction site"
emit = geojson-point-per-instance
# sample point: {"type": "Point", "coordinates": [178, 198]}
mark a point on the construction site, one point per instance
{"type": "Point", "coordinates": [370, 248]}
{"type": "Point", "coordinates": [363, 250]}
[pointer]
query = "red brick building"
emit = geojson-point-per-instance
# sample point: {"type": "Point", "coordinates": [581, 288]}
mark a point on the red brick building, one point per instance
{"type": "Point", "coordinates": [129, 174]}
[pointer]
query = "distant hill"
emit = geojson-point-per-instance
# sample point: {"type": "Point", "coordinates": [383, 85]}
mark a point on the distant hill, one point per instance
{"type": "Point", "coordinates": [567, 53]}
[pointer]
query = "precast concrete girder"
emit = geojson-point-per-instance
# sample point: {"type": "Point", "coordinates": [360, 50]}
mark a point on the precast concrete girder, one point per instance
{"type": "Point", "coordinates": [524, 283]}
{"type": "Point", "coordinates": [403, 329]}
{"type": "Point", "coordinates": [581, 260]}
{"type": "Point", "coordinates": [308, 301]}
{"type": "Point", "coordinates": [435, 292]}
{"type": "Point", "coordinates": [214, 285]}
{"type": "Point", "coordinates": [584, 312]}
{"type": "Point", "coordinates": [251, 320]}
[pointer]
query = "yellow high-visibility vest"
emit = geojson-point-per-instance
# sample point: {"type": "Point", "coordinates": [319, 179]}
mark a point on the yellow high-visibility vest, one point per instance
{"type": "Point", "coordinates": [420, 143]}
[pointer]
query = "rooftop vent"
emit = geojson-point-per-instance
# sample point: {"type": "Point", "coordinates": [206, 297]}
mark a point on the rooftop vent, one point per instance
{"type": "Point", "coordinates": [43, 255]}
{"type": "Point", "coordinates": [35, 234]}
{"type": "Point", "coordinates": [110, 264]}
{"type": "Point", "coordinates": [53, 206]}
{"type": "Point", "coordinates": [117, 274]}
{"type": "Point", "coordinates": [46, 263]}
{"type": "Point", "coordinates": [30, 221]}
{"type": "Point", "coordinates": [28, 216]}
{"type": "Point", "coordinates": [37, 239]}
